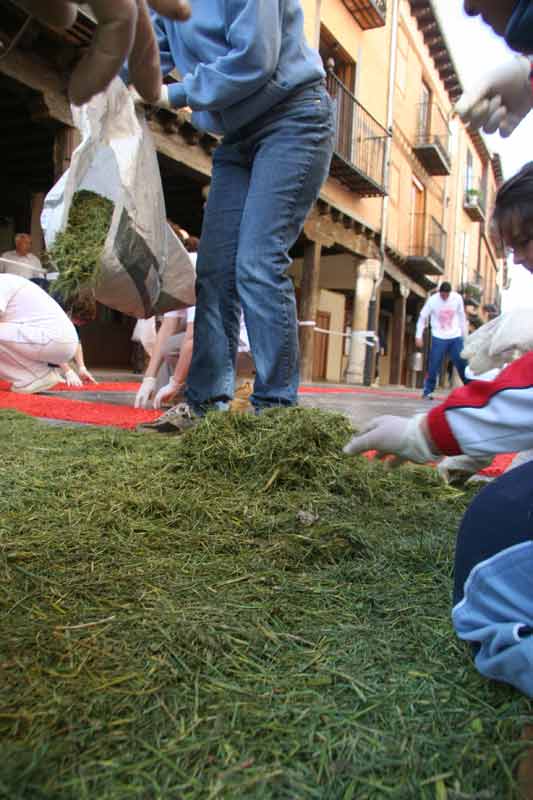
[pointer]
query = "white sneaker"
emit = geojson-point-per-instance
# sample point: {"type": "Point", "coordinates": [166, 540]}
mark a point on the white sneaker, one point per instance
{"type": "Point", "coordinates": [51, 378]}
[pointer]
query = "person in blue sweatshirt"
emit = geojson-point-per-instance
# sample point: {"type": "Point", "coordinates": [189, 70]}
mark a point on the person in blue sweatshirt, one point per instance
{"type": "Point", "coordinates": [248, 75]}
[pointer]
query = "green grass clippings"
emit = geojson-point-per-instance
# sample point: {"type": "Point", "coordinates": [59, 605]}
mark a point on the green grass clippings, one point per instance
{"type": "Point", "coordinates": [76, 251]}
{"type": "Point", "coordinates": [243, 612]}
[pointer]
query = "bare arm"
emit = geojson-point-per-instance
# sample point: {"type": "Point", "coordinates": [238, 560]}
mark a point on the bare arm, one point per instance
{"type": "Point", "coordinates": [185, 356]}
{"type": "Point", "coordinates": [168, 328]}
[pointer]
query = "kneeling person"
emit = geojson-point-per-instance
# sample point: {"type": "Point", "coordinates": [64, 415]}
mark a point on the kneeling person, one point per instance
{"type": "Point", "coordinates": [35, 333]}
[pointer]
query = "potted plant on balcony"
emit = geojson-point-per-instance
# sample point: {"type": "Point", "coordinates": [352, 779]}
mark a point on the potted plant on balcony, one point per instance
{"type": "Point", "coordinates": [472, 197]}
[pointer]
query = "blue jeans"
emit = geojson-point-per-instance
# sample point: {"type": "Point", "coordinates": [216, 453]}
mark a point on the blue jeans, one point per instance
{"type": "Point", "coordinates": [439, 349]}
{"type": "Point", "coordinates": [265, 180]}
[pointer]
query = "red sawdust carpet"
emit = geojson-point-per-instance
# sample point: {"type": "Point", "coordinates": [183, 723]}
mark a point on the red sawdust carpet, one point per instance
{"type": "Point", "coordinates": [105, 386]}
{"type": "Point", "coordinates": [49, 407]}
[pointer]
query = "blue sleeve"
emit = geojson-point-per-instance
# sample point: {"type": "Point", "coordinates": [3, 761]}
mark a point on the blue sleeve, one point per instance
{"type": "Point", "coordinates": [254, 36]}
{"type": "Point", "coordinates": [167, 62]}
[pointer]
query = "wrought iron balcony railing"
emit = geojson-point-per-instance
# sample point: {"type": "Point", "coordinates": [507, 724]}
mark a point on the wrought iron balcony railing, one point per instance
{"type": "Point", "coordinates": [432, 142]}
{"type": "Point", "coordinates": [427, 251]}
{"type": "Point", "coordinates": [360, 144]}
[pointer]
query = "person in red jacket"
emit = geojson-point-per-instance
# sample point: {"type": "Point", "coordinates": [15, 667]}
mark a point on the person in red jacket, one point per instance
{"type": "Point", "coordinates": [493, 585]}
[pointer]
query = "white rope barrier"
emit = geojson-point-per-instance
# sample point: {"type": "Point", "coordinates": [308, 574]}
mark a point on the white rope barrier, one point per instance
{"type": "Point", "coordinates": [369, 336]}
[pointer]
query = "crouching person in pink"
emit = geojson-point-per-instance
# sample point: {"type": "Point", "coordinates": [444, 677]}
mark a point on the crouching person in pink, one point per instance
{"type": "Point", "coordinates": [35, 336]}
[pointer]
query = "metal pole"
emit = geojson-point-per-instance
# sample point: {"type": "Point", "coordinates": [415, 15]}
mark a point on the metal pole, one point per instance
{"type": "Point", "coordinates": [370, 347]}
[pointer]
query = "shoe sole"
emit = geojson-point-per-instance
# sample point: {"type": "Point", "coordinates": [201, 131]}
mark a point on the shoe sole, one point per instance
{"type": "Point", "coordinates": [165, 427]}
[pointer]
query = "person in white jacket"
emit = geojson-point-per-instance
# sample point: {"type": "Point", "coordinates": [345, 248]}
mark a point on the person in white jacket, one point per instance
{"type": "Point", "coordinates": [493, 582]}
{"type": "Point", "coordinates": [445, 312]}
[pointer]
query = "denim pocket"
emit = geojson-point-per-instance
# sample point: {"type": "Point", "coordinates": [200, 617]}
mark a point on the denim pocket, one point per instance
{"type": "Point", "coordinates": [315, 109]}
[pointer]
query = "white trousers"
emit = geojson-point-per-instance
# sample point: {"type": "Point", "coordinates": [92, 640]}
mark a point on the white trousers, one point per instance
{"type": "Point", "coordinates": [27, 350]}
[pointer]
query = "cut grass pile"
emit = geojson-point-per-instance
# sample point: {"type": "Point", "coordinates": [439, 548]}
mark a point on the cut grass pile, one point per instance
{"type": "Point", "coordinates": [76, 252]}
{"type": "Point", "coordinates": [241, 613]}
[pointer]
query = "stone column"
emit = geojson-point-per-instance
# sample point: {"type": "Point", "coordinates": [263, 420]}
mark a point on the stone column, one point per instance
{"type": "Point", "coordinates": [368, 272]}
{"type": "Point", "coordinates": [401, 294]}
{"type": "Point", "coordinates": [309, 297]}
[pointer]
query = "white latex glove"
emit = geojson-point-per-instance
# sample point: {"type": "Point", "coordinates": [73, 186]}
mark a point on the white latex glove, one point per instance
{"type": "Point", "coordinates": [500, 99]}
{"type": "Point", "coordinates": [162, 102]}
{"type": "Point", "coordinates": [145, 393]}
{"type": "Point", "coordinates": [455, 469]}
{"type": "Point", "coordinates": [167, 392]}
{"type": "Point", "coordinates": [494, 344]}
{"type": "Point", "coordinates": [72, 378]}
{"type": "Point", "coordinates": [86, 376]}
{"type": "Point", "coordinates": [399, 436]}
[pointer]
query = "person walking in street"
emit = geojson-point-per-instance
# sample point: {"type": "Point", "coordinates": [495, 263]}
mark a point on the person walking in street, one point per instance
{"type": "Point", "coordinates": [248, 74]}
{"type": "Point", "coordinates": [445, 312]}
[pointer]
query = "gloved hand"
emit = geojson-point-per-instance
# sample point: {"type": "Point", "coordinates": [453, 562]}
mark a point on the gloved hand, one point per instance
{"type": "Point", "coordinates": [500, 99]}
{"type": "Point", "coordinates": [162, 102]}
{"type": "Point", "coordinates": [457, 469]}
{"type": "Point", "coordinates": [495, 343]}
{"type": "Point", "coordinates": [72, 378]}
{"type": "Point", "coordinates": [403, 437]}
{"type": "Point", "coordinates": [124, 31]}
{"type": "Point", "coordinates": [145, 393]}
{"type": "Point", "coordinates": [167, 392]}
{"type": "Point", "coordinates": [85, 375]}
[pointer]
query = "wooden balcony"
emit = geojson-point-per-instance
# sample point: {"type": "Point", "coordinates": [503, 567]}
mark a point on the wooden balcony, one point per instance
{"type": "Point", "coordinates": [432, 144]}
{"type": "Point", "coordinates": [368, 13]}
{"type": "Point", "coordinates": [360, 144]}
{"type": "Point", "coordinates": [474, 204]}
{"type": "Point", "coordinates": [427, 252]}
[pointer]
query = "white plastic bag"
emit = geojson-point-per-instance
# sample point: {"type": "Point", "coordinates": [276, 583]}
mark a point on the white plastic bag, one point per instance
{"type": "Point", "coordinates": [144, 268]}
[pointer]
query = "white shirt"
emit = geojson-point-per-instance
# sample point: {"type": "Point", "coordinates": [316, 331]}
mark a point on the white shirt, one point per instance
{"type": "Point", "coordinates": [447, 317]}
{"type": "Point", "coordinates": [26, 266]}
{"type": "Point", "coordinates": [186, 315]}
{"type": "Point", "coordinates": [23, 303]}
{"type": "Point", "coordinates": [190, 313]}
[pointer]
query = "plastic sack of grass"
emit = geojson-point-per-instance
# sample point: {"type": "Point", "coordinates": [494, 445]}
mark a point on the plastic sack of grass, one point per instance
{"type": "Point", "coordinates": [104, 221]}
